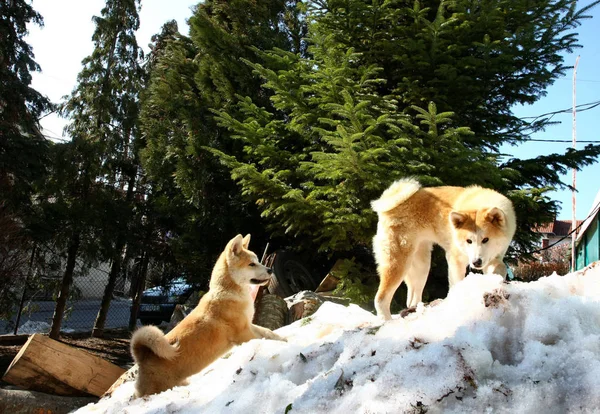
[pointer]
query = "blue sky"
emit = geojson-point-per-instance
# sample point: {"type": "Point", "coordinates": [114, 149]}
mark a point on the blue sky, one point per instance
{"type": "Point", "coordinates": [560, 96]}
{"type": "Point", "coordinates": [68, 24]}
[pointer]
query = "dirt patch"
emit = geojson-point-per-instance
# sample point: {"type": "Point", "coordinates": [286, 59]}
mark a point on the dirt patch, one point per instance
{"type": "Point", "coordinates": [114, 347]}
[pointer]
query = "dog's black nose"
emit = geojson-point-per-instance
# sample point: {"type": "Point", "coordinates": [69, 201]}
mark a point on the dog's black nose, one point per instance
{"type": "Point", "coordinates": [477, 263]}
{"type": "Point", "coordinates": [269, 270]}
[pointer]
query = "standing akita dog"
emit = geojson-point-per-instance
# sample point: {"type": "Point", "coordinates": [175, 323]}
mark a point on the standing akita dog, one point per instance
{"type": "Point", "coordinates": [222, 319]}
{"type": "Point", "coordinates": [474, 225]}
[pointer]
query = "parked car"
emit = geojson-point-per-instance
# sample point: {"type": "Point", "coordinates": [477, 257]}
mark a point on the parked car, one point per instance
{"type": "Point", "coordinates": [158, 303]}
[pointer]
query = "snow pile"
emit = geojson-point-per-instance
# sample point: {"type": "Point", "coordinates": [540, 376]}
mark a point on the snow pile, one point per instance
{"type": "Point", "coordinates": [489, 346]}
{"type": "Point", "coordinates": [32, 327]}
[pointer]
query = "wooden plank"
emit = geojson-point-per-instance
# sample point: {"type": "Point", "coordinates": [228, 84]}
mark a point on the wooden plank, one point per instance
{"type": "Point", "coordinates": [46, 365]}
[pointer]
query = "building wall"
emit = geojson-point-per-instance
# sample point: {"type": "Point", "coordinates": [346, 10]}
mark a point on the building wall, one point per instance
{"type": "Point", "coordinates": [588, 249]}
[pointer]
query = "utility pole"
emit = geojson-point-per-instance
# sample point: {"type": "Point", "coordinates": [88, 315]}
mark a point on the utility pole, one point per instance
{"type": "Point", "coordinates": [574, 191]}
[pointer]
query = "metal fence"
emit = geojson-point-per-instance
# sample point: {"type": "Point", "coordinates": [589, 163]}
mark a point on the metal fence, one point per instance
{"type": "Point", "coordinates": [35, 300]}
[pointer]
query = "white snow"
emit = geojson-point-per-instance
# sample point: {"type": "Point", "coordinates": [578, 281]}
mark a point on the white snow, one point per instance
{"type": "Point", "coordinates": [32, 327]}
{"type": "Point", "coordinates": [534, 349]}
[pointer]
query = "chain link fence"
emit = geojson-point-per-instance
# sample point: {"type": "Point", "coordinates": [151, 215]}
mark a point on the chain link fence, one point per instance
{"type": "Point", "coordinates": [34, 296]}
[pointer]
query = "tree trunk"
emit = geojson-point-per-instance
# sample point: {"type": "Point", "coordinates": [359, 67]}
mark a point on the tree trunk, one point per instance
{"type": "Point", "coordinates": [67, 281]}
{"type": "Point", "coordinates": [25, 285]}
{"type": "Point", "coordinates": [115, 269]}
{"type": "Point", "coordinates": [140, 284]}
{"type": "Point", "coordinates": [98, 330]}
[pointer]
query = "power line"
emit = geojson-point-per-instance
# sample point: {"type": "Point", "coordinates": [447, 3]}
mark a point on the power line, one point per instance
{"type": "Point", "coordinates": [55, 138]}
{"type": "Point", "coordinates": [585, 107]}
{"type": "Point", "coordinates": [561, 140]}
{"type": "Point", "coordinates": [592, 214]}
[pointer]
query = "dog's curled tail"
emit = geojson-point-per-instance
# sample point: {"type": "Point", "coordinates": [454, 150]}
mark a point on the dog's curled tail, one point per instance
{"type": "Point", "coordinates": [150, 339]}
{"type": "Point", "coordinates": [396, 194]}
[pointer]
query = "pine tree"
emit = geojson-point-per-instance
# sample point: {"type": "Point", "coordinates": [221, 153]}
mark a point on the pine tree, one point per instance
{"type": "Point", "coordinates": [394, 89]}
{"type": "Point", "coordinates": [334, 144]}
{"type": "Point", "coordinates": [23, 149]}
{"type": "Point", "coordinates": [101, 174]}
{"type": "Point", "coordinates": [188, 79]}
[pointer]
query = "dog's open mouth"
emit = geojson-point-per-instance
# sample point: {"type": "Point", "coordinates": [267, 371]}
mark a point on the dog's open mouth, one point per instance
{"type": "Point", "coordinates": [261, 282]}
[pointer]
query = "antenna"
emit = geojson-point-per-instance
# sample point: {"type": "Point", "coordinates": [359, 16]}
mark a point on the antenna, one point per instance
{"type": "Point", "coordinates": [574, 191]}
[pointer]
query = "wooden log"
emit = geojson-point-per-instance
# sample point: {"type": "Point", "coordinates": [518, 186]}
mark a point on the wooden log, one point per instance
{"type": "Point", "coordinates": [330, 281]}
{"type": "Point", "coordinates": [303, 304]}
{"type": "Point", "coordinates": [271, 312]}
{"type": "Point", "coordinates": [49, 366]}
{"type": "Point", "coordinates": [29, 402]}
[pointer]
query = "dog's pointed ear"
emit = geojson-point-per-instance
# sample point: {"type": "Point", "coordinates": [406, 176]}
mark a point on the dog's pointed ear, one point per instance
{"type": "Point", "coordinates": [496, 217]}
{"type": "Point", "coordinates": [235, 246]}
{"type": "Point", "coordinates": [457, 219]}
{"type": "Point", "coordinates": [246, 241]}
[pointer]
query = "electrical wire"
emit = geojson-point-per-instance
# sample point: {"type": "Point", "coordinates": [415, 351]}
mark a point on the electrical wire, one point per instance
{"type": "Point", "coordinates": [592, 214]}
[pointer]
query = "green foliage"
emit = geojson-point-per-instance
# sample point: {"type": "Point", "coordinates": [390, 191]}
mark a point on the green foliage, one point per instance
{"type": "Point", "coordinates": [394, 89]}
{"type": "Point", "coordinates": [197, 202]}
{"type": "Point", "coordinates": [23, 149]}
{"type": "Point", "coordinates": [333, 144]}
{"type": "Point", "coordinates": [90, 190]}
{"type": "Point", "coordinates": [353, 284]}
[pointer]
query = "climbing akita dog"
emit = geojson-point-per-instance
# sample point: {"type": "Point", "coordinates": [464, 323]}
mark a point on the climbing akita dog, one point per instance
{"type": "Point", "coordinates": [474, 225]}
{"type": "Point", "coordinates": [222, 319]}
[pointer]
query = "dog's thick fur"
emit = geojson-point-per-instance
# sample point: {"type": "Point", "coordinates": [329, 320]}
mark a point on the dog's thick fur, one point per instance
{"type": "Point", "coordinates": [474, 225]}
{"type": "Point", "coordinates": [222, 319]}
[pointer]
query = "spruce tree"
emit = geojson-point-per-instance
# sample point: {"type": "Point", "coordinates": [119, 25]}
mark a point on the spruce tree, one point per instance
{"type": "Point", "coordinates": [189, 78]}
{"type": "Point", "coordinates": [394, 89]}
{"type": "Point", "coordinates": [102, 172]}
{"type": "Point", "coordinates": [23, 149]}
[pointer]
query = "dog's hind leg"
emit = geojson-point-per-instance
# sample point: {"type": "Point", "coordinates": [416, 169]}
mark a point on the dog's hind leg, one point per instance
{"type": "Point", "coordinates": [416, 277]}
{"type": "Point", "coordinates": [392, 267]}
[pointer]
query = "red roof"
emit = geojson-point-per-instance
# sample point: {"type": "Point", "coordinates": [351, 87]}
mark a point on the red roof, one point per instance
{"type": "Point", "coordinates": [557, 227]}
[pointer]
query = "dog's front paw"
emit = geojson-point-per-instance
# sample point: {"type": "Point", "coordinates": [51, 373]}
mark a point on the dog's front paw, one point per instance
{"type": "Point", "coordinates": [272, 335]}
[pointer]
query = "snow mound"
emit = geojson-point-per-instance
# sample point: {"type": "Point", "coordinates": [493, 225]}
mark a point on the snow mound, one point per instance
{"type": "Point", "coordinates": [32, 327]}
{"type": "Point", "coordinates": [489, 346]}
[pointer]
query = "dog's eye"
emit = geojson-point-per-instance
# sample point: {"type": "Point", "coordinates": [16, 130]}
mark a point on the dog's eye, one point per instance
{"type": "Point", "coordinates": [252, 264]}
{"type": "Point", "coordinates": [469, 241]}
{"type": "Point", "coordinates": [485, 240]}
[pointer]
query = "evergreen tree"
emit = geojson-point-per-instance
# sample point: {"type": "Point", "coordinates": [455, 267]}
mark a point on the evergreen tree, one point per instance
{"type": "Point", "coordinates": [454, 70]}
{"type": "Point", "coordinates": [189, 78]}
{"type": "Point", "coordinates": [23, 149]}
{"type": "Point", "coordinates": [477, 60]}
{"type": "Point", "coordinates": [102, 170]}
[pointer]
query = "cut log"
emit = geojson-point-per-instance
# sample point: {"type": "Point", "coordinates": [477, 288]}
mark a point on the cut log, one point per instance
{"type": "Point", "coordinates": [330, 281]}
{"type": "Point", "coordinates": [271, 312]}
{"type": "Point", "coordinates": [303, 304]}
{"type": "Point", "coordinates": [49, 366]}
